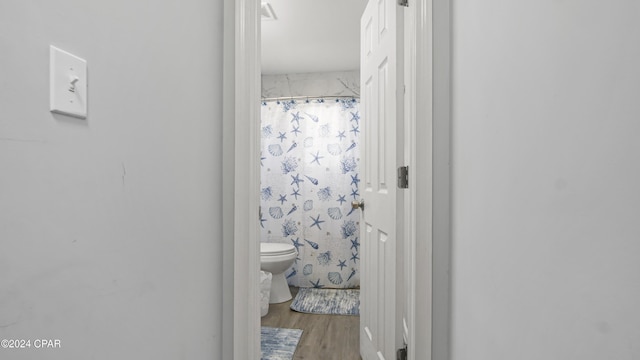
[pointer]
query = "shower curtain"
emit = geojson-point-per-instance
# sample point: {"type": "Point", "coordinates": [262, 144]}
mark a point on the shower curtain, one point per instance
{"type": "Point", "coordinates": [309, 176]}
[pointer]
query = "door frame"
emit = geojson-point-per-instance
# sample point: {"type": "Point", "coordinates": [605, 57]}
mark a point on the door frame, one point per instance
{"type": "Point", "coordinates": [427, 203]}
{"type": "Point", "coordinates": [428, 219]}
{"type": "Point", "coordinates": [240, 329]}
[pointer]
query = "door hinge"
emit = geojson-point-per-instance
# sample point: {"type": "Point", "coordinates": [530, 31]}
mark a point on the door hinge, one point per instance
{"type": "Point", "coordinates": [403, 177]}
{"type": "Point", "coordinates": [401, 354]}
{"type": "Point", "coordinates": [404, 3]}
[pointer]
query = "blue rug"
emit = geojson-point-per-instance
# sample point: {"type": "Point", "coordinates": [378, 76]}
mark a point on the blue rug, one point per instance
{"type": "Point", "coordinates": [278, 343]}
{"type": "Point", "coordinates": [327, 301]}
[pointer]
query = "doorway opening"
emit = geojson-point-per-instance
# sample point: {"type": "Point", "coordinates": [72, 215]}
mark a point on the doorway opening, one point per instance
{"type": "Point", "coordinates": [310, 154]}
{"type": "Point", "coordinates": [241, 338]}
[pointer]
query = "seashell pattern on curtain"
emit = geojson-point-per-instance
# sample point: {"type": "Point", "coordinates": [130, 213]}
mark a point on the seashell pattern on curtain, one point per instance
{"type": "Point", "coordinates": [309, 176]}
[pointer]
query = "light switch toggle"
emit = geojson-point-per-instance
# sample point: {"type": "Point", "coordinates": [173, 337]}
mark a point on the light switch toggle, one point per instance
{"type": "Point", "coordinates": [74, 80]}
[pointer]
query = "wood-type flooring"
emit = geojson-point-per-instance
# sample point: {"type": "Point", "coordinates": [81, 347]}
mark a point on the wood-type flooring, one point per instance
{"type": "Point", "coordinates": [324, 337]}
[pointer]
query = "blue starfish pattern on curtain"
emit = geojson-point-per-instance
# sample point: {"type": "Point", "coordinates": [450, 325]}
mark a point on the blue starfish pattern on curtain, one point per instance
{"type": "Point", "coordinates": [309, 177]}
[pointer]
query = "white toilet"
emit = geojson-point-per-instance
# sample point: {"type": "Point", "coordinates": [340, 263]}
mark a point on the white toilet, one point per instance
{"type": "Point", "coordinates": [276, 258]}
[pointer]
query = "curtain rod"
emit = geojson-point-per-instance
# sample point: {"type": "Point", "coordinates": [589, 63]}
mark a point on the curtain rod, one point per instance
{"type": "Point", "coordinates": [311, 97]}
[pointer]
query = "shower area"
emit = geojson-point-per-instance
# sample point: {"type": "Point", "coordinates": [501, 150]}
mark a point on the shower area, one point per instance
{"type": "Point", "coordinates": [310, 161]}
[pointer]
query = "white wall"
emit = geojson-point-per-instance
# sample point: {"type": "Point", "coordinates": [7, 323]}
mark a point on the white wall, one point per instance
{"type": "Point", "coordinates": [110, 227]}
{"type": "Point", "coordinates": [311, 36]}
{"type": "Point", "coordinates": [336, 83]}
{"type": "Point", "coordinates": [545, 180]}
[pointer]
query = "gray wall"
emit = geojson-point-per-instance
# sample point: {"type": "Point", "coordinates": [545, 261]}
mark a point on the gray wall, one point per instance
{"type": "Point", "coordinates": [110, 227]}
{"type": "Point", "coordinates": [545, 180]}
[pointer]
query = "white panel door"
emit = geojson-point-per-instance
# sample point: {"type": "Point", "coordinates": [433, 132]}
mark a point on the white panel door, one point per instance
{"type": "Point", "coordinates": [381, 115]}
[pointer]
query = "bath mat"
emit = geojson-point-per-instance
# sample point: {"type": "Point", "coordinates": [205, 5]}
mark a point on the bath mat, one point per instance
{"type": "Point", "coordinates": [327, 301]}
{"type": "Point", "coordinates": [278, 343]}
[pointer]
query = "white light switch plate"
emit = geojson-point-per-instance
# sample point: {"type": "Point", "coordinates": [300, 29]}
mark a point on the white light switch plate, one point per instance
{"type": "Point", "coordinates": [68, 83]}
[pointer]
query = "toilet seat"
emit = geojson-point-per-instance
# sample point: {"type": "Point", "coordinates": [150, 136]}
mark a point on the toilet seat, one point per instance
{"type": "Point", "coordinates": [275, 249]}
{"type": "Point", "coordinates": [276, 258]}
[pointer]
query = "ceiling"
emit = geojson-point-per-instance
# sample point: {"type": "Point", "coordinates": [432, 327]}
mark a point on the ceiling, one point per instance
{"type": "Point", "coordinates": [312, 36]}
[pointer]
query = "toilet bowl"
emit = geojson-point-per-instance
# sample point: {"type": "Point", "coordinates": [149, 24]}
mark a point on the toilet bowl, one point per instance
{"type": "Point", "coordinates": [276, 258]}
